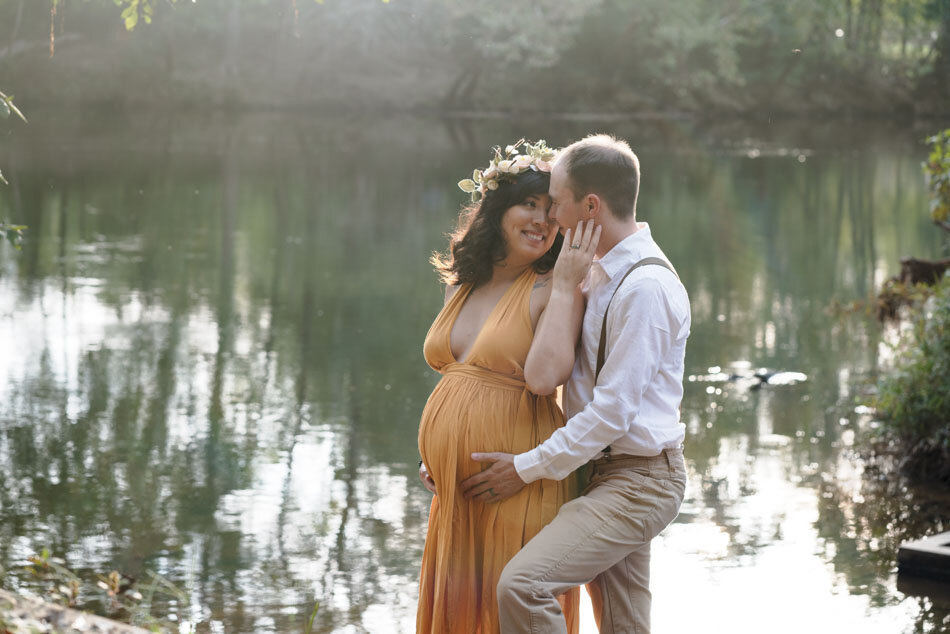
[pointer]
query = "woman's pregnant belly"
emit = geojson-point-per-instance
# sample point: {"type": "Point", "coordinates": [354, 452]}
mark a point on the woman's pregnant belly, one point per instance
{"type": "Point", "coordinates": [465, 414]}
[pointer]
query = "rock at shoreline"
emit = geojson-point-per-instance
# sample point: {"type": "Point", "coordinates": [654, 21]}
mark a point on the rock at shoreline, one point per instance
{"type": "Point", "coordinates": [27, 615]}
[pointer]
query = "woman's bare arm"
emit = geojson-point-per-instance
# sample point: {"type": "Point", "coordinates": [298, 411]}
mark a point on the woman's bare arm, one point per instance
{"type": "Point", "coordinates": [551, 357]}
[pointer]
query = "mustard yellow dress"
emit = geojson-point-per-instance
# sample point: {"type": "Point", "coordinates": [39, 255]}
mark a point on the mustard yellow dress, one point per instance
{"type": "Point", "coordinates": [482, 405]}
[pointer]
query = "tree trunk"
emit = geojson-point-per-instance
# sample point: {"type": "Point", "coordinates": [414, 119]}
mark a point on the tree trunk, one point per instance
{"type": "Point", "coordinates": [849, 36]}
{"type": "Point", "coordinates": [905, 27]}
{"type": "Point", "coordinates": [232, 45]}
{"type": "Point", "coordinates": [942, 46]}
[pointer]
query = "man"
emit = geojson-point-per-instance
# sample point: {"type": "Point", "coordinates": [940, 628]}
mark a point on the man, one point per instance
{"type": "Point", "coordinates": [623, 413]}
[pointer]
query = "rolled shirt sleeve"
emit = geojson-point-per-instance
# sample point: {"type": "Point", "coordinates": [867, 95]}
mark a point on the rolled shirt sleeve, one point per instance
{"type": "Point", "coordinates": [640, 332]}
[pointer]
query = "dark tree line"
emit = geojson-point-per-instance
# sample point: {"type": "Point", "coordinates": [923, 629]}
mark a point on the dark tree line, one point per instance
{"type": "Point", "coordinates": [547, 55]}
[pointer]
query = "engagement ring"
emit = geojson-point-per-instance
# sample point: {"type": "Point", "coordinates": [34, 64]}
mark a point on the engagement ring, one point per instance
{"type": "Point", "coordinates": [575, 246]}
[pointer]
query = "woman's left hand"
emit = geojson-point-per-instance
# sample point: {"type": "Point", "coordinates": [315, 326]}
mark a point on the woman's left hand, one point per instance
{"type": "Point", "coordinates": [577, 253]}
{"type": "Point", "coordinates": [427, 480]}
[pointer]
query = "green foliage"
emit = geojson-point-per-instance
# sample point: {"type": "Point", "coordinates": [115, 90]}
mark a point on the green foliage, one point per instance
{"type": "Point", "coordinates": [14, 234]}
{"type": "Point", "coordinates": [896, 293]}
{"type": "Point", "coordinates": [11, 233]}
{"type": "Point", "coordinates": [133, 9]}
{"type": "Point", "coordinates": [316, 606]}
{"type": "Point", "coordinates": [7, 107]}
{"type": "Point", "coordinates": [914, 400]}
{"type": "Point", "coordinates": [490, 35]}
{"type": "Point", "coordinates": [602, 55]}
{"type": "Point", "coordinates": [937, 169]}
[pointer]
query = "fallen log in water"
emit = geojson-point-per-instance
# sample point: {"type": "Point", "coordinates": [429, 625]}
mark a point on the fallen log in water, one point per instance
{"type": "Point", "coordinates": [917, 271]}
{"type": "Point", "coordinates": [928, 558]}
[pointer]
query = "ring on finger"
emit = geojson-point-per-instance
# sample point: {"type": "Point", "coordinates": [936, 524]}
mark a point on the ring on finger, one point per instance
{"type": "Point", "coordinates": [575, 246]}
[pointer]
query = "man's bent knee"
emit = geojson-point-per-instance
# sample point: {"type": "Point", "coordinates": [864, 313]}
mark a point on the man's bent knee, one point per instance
{"type": "Point", "coordinates": [512, 584]}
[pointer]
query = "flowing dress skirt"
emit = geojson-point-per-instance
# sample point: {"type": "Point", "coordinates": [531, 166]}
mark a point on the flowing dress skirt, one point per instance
{"type": "Point", "coordinates": [469, 542]}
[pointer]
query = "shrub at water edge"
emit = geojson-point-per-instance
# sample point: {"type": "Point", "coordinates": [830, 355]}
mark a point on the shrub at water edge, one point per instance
{"type": "Point", "coordinates": [913, 401]}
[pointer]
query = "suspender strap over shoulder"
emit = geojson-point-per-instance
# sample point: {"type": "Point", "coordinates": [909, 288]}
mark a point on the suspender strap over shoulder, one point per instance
{"type": "Point", "coordinates": [602, 348]}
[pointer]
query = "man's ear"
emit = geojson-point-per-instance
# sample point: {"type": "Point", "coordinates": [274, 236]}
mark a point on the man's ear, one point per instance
{"type": "Point", "coordinates": [594, 206]}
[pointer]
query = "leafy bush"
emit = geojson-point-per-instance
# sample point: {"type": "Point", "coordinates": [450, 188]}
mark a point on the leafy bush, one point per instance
{"type": "Point", "coordinates": [12, 233]}
{"type": "Point", "coordinates": [937, 169]}
{"type": "Point", "coordinates": [914, 400]}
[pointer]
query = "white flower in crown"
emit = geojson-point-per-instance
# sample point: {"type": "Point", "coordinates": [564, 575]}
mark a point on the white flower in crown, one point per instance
{"type": "Point", "coordinates": [521, 163]}
{"type": "Point", "coordinates": [507, 166]}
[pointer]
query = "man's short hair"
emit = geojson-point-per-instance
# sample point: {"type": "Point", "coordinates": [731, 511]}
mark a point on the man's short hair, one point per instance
{"type": "Point", "coordinates": [606, 166]}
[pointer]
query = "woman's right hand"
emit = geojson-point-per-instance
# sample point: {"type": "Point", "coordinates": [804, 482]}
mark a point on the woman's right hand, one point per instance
{"type": "Point", "coordinates": [427, 480]}
{"type": "Point", "coordinates": [577, 253]}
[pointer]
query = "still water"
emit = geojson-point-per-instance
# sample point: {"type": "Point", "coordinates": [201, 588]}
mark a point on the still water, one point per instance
{"type": "Point", "coordinates": [211, 360]}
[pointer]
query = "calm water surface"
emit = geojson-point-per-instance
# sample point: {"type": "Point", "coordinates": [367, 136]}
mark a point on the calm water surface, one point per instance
{"type": "Point", "coordinates": [211, 360]}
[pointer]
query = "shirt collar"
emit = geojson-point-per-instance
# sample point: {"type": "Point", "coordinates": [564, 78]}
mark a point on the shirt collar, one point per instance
{"type": "Point", "coordinates": [630, 249]}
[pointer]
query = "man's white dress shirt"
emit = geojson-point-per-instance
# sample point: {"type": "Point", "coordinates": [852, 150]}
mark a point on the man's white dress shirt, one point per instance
{"type": "Point", "coordinates": [635, 405]}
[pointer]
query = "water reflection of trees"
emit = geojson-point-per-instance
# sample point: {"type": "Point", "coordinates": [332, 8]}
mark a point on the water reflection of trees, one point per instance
{"type": "Point", "coordinates": [864, 523]}
{"type": "Point", "coordinates": [268, 295]}
{"type": "Point", "coordinates": [763, 261]}
{"type": "Point", "coordinates": [178, 397]}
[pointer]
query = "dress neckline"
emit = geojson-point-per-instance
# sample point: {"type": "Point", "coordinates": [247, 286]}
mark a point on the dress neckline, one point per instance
{"type": "Point", "coordinates": [467, 290]}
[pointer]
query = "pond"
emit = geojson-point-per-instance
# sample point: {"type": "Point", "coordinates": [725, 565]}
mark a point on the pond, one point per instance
{"type": "Point", "coordinates": [211, 359]}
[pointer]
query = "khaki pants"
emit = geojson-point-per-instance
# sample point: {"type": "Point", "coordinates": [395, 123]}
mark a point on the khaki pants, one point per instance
{"type": "Point", "coordinates": [602, 538]}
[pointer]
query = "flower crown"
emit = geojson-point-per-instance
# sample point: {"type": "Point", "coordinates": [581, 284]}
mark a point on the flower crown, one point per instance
{"type": "Point", "coordinates": [505, 167]}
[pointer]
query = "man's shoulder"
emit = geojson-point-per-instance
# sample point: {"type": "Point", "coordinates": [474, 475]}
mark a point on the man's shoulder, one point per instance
{"type": "Point", "coordinates": [641, 284]}
{"type": "Point", "coordinates": [653, 274]}
{"type": "Point", "coordinates": [651, 288]}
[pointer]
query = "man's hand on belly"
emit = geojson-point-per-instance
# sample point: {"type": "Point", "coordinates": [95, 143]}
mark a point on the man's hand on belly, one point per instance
{"type": "Point", "coordinates": [496, 483]}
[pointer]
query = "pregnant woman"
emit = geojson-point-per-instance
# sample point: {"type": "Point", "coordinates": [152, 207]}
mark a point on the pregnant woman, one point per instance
{"type": "Point", "coordinates": [502, 355]}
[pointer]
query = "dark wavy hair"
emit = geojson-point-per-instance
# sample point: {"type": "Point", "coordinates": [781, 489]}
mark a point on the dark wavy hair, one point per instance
{"type": "Point", "coordinates": [478, 244]}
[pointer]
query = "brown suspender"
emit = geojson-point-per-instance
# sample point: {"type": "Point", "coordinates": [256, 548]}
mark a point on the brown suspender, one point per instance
{"type": "Point", "coordinates": [602, 348]}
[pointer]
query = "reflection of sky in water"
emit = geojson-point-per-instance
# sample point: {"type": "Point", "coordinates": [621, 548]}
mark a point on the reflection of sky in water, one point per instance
{"type": "Point", "coordinates": [253, 430]}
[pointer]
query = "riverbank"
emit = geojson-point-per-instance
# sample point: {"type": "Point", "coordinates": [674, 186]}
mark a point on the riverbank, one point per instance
{"type": "Point", "coordinates": [26, 615]}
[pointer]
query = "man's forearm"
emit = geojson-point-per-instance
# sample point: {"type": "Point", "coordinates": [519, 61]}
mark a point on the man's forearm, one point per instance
{"type": "Point", "coordinates": [581, 439]}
